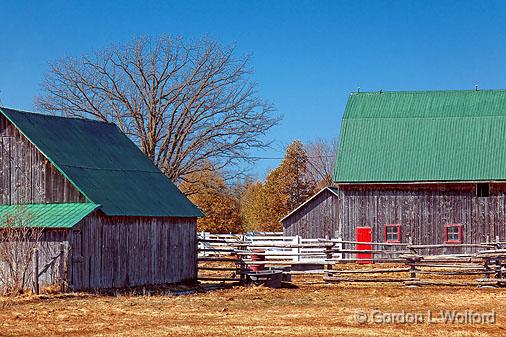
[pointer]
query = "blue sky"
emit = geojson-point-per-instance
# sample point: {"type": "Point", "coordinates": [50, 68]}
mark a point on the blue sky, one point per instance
{"type": "Point", "coordinates": [307, 55]}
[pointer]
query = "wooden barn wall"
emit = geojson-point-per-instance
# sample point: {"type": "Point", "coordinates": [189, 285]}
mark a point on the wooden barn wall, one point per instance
{"type": "Point", "coordinates": [421, 210]}
{"type": "Point", "coordinates": [424, 213]}
{"type": "Point", "coordinates": [49, 250]}
{"type": "Point", "coordinates": [26, 176]}
{"type": "Point", "coordinates": [316, 219]}
{"type": "Point", "coordinates": [117, 252]}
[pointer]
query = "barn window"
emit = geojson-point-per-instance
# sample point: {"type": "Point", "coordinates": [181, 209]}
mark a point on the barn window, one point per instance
{"type": "Point", "coordinates": [482, 190]}
{"type": "Point", "coordinates": [393, 233]}
{"type": "Point", "coordinates": [453, 233]}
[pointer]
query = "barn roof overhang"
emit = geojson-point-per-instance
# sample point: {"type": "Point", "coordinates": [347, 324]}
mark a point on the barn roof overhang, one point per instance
{"type": "Point", "coordinates": [417, 182]}
{"type": "Point", "coordinates": [62, 216]}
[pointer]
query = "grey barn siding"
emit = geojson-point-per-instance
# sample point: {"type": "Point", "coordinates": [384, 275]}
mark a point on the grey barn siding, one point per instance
{"type": "Point", "coordinates": [103, 252]}
{"type": "Point", "coordinates": [118, 252]}
{"type": "Point", "coordinates": [316, 219]}
{"type": "Point", "coordinates": [421, 212]}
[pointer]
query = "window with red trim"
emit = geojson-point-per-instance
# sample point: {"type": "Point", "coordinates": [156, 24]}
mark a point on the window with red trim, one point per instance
{"type": "Point", "coordinates": [393, 233]}
{"type": "Point", "coordinates": [453, 233]}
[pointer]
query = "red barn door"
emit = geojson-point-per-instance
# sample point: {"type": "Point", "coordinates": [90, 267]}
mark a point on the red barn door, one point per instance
{"type": "Point", "coordinates": [364, 234]}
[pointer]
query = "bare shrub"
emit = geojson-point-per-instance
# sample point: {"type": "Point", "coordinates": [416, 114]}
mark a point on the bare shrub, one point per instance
{"type": "Point", "coordinates": [18, 241]}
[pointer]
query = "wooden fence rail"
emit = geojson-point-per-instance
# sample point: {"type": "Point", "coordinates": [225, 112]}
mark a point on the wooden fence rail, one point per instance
{"type": "Point", "coordinates": [297, 256]}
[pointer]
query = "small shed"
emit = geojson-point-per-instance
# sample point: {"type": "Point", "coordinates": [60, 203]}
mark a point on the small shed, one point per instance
{"type": "Point", "coordinates": [84, 182]}
{"type": "Point", "coordinates": [425, 165]}
{"type": "Point", "coordinates": [317, 217]}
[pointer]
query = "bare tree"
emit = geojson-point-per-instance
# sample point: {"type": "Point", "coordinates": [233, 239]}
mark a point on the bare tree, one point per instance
{"type": "Point", "coordinates": [17, 243]}
{"type": "Point", "coordinates": [321, 160]}
{"type": "Point", "coordinates": [183, 103]}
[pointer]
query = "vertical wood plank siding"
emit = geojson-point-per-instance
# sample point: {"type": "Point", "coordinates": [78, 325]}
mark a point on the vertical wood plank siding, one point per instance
{"type": "Point", "coordinates": [117, 252]}
{"type": "Point", "coordinates": [422, 212]}
{"type": "Point", "coordinates": [105, 252]}
{"type": "Point", "coordinates": [317, 218]}
{"type": "Point", "coordinates": [49, 250]}
{"type": "Point", "coordinates": [26, 176]}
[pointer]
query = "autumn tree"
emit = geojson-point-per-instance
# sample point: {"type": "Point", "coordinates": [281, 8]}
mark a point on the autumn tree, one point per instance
{"type": "Point", "coordinates": [217, 200]}
{"type": "Point", "coordinates": [252, 206]}
{"type": "Point", "coordinates": [182, 102]}
{"type": "Point", "coordinates": [285, 188]}
{"type": "Point", "coordinates": [321, 156]}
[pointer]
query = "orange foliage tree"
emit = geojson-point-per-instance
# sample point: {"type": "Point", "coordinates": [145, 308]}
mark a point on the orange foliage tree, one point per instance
{"type": "Point", "coordinates": [285, 187]}
{"type": "Point", "coordinates": [218, 202]}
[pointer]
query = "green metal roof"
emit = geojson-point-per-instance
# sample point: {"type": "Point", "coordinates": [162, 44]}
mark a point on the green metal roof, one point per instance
{"type": "Point", "coordinates": [423, 136]}
{"type": "Point", "coordinates": [45, 215]}
{"type": "Point", "coordinates": [104, 164]}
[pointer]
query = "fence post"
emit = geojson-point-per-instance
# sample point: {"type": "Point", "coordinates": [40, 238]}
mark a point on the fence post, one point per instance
{"type": "Point", "coordinates": [410, 244]}
{"type": "Point", "coordinates": [339, 246]}
{"type": "Point", "coordinates": [62, 267]}
{"type": "Point", "coordinates": [328, 253]}
{"type": "Point", "coordinates": [296, 251]}
{"type": "Point", "coordinates": [412, 269]}
{"type": "Point", "coordinates": [486, 267]}
{"type": "Point", "coordinates": [35, 271]}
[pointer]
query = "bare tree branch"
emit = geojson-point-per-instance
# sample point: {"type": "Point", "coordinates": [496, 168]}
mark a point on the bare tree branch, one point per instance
{"type": "Point", "coordinates": [182, 103]}
{"type": "Point", "coordinates": [321, 160]}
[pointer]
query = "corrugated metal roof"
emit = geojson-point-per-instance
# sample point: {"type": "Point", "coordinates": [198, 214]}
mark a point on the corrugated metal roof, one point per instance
{"type": "Point", "coordinates": [423, 136]}
{"type": "Point", "coordinates": [104, 165]}
{"type": "Point", "coordinates": [45, 215]}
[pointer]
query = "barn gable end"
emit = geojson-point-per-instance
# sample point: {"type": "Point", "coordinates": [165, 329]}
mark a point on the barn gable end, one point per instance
{"type": "Point", "coordinates": [104, 164]}
{"type": "Point", "coordinates": [26, 175]}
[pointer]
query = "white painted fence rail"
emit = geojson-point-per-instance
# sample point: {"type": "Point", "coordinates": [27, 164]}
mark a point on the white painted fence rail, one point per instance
{"type": "Point", "coordinates": [270, 242]}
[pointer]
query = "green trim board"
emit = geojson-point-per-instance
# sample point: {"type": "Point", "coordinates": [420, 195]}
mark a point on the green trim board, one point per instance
{"type": "Point", "coordinates": [64, 216]}
{"type": "Point", "coordinates": [423, 136]}
{"type": "Point", "coordinates": [104, 165]}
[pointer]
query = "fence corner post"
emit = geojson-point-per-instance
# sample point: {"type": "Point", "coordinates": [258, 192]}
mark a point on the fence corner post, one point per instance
{"type": "Point", "coordinates": [35, 271]}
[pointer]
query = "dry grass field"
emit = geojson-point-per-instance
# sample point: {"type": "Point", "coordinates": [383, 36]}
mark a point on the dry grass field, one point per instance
{"type": "Point", "coordinates": [308, 309]}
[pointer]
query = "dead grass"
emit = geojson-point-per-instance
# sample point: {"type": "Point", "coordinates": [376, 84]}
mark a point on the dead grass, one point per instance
{"type": "Point", "coordinates": [310, 310]}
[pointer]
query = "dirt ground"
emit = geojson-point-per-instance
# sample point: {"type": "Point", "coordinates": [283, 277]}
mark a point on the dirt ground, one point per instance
{"type": "Point", "coordinates": [307, 309]}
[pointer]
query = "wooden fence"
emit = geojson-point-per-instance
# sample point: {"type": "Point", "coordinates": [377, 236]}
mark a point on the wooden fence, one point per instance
{"type": "Point", "coordinates": [414, 265]}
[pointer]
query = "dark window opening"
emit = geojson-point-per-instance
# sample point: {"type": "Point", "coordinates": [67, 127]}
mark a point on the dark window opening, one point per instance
{"type": "Point", "coordinates": [482, 190]}
{"type": "Point", "coordinates": [393, 233]}
{"type": "Point", "coordinates": [453, 233]}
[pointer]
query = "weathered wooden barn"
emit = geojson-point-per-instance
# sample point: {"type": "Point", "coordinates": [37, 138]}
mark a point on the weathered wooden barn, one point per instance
{"type": "Point", "coordinates": [86, 184]}
{"type": "Point", "coordinates": [430, 165]}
